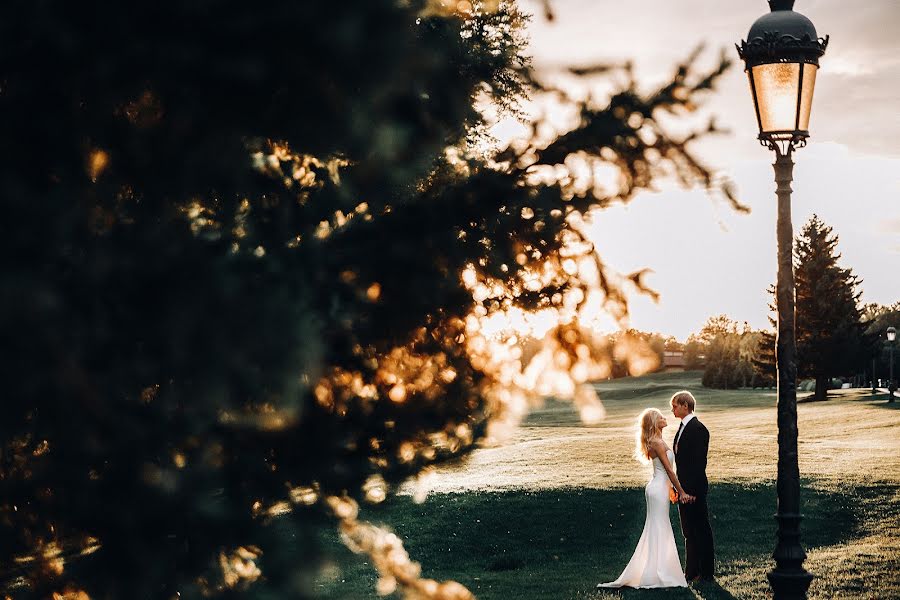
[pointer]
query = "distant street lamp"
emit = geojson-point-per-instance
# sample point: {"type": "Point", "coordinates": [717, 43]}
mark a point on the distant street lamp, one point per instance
{"type": "Point", "coordinates": [781, 55]}
{"type": "Point", "coordinates": [891, 336]}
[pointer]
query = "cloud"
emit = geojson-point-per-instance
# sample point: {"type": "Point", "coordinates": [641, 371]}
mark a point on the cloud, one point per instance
{"type": "Point", "coordinates": [856, 92]}
{"type": "Point", "coordinates": [847, 175]}
{"type": "Point", "coordinates": [889, 226]}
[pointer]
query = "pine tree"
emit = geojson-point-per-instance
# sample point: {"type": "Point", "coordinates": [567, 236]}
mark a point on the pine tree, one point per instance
{"type": "Point", "coordinates": [246, 254]}
{"type": "Point", "coordinates": [830, 331]}
{"type": "Point", "coordinates": [764, 365]}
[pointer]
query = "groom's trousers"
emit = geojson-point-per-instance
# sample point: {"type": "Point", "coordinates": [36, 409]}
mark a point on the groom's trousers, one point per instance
{"type": "Point", "coordinates": [698, 540]}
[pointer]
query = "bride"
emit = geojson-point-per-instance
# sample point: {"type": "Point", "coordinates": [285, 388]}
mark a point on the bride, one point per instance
{"type": "Point", "coordinates": [655, 562]}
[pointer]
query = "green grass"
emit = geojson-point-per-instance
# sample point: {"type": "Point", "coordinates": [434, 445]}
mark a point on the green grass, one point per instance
{"type": "Point", "coordinates": [560, 507]}
{"type": "Point", "coordinates": [561, 543]}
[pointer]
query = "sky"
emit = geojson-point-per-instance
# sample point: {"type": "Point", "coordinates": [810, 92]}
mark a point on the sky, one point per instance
{"type": "Point", "coordinates": [706, 258]}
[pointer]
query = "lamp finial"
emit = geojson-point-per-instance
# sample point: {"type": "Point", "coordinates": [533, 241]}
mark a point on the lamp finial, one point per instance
{"type": "Point", "coordinates": [781, 5]}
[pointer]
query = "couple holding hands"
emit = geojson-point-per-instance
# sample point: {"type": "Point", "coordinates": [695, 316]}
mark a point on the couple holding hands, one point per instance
{"type": "Point", "coordinates": [679, 475]}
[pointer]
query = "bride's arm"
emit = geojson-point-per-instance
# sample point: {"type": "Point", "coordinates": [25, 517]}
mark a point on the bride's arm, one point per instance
{"type": "Point", "coordinates": [663, 456]}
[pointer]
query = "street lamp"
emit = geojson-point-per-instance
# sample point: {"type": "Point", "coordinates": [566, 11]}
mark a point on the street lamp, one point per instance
{"type": "Point", "coordinates": [781, 54]}
{"type": "Point", "coordinates": [891, 336]}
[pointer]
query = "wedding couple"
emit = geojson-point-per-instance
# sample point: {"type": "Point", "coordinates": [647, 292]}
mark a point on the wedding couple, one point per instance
{"type": "Point", "coordinates": [655, 562]}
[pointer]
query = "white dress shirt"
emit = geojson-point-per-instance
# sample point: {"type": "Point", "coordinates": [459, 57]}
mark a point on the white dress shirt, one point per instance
{"type": "Point", "coordinates": [684, 422]}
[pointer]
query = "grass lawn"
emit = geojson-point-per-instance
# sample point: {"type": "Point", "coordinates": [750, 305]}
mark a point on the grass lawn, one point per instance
{"type": "Point", "coordinates": [559, 508]}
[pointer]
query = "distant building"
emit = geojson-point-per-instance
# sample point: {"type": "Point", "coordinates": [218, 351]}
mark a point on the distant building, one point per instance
{"type": "Point", "coordinates": [673, 360]}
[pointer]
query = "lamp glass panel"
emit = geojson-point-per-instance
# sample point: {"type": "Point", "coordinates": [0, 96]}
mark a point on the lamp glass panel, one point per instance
{"type": "Point", "coordinates": [809, 84]}
{"type": "Point", "coordinates": [776, 95]}
{"type": "Point", "coordinates": [891, 335]}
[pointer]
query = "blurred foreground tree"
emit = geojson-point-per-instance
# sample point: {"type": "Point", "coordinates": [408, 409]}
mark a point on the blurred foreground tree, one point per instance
{"type": "Point", "coordinates": [251, 260]}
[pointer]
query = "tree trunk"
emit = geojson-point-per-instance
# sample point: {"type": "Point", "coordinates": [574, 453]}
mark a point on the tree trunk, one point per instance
{"type": "Point", "coordinates": [821, 387]}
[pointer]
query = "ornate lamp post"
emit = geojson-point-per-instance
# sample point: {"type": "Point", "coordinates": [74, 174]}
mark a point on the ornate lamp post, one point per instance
{"type": "Point", "coordinates": [891, 336]}
{"type": "Point", "coordinates": [781, 54]}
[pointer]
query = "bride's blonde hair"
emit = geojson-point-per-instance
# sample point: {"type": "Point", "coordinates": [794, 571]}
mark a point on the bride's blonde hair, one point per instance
{"type": "Point", "coordinates": [648, 429]}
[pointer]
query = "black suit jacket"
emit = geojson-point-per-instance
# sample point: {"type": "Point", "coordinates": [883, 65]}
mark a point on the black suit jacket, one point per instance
{"type": "Point", "coordinates": [690, 458]}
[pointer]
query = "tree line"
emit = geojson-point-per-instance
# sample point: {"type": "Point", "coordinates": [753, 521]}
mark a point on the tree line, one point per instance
{"type": "Point", "coordinates": [838, 338]}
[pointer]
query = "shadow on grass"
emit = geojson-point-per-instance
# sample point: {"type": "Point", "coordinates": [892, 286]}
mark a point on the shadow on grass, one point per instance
{"type": "Point", "coordinates": [713, 591]}
{"type": "Point", "coordinates": [700, 591]}
{"type": "Point", "coordinates": [559, 544]}
{"type": "Point", "coordinates": [888, 405]}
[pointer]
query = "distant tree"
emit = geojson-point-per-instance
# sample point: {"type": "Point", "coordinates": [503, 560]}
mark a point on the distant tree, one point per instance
{"type": "Point", "coordinates": [694, 353]}
{"type": "Point", "coordinates": [764, 369]}
{"type": "Point", "coordinates": [718, 326]}
{"type": "Point", "coordinates": [249, 252]}
{"type": "Point", "coordinates": [730, 350]}
{"type": "Point", "coordinates": [880, 316]}
{"type": "Point", "coordinates": [657, 343]}
{"type": "Point", "coordinates": [722, 360]}
{"type": "Point", "coordinates": [752, 350]}
{"type": "Point", "coordinates": [831, 337]}
{"type": "Point", "coordinates": [764, 366]}
{"type": "Point", "coordinates": [877, 318]}
{"type": "Point", "coordinates": [642, 351]}
{"type": "Point", "coordinates": [721, 338]}
{"type": "Point", "coordinates": [673, 345]}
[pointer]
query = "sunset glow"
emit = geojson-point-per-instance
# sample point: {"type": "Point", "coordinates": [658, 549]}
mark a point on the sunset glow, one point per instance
{"type": "Point", "coordinates": [707, 259]}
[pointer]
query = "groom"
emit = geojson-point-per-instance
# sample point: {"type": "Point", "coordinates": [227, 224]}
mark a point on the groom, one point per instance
{"type": "Point", "coordinates": [691, 447]}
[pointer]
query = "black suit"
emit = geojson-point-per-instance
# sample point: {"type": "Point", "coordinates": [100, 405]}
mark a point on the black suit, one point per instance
{"type": "Point", "coordinates": [690, 464]}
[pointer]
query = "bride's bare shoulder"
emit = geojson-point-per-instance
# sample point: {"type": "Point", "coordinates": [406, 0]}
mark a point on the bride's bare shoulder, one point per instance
{"type": "Point", "coordinates": [657, 448]}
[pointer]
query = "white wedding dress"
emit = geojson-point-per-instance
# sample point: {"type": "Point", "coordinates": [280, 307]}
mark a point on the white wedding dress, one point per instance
{"type": "Point", "coordinates": [655, 562]}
